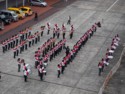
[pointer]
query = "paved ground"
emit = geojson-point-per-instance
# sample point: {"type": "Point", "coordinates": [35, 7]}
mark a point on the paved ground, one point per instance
{"type": "Point", "coordinates": [80, 77]}
{"type": "Point", "coordinates": [15, 27]}
{"type": "Point", "coordinates": [117, 83]}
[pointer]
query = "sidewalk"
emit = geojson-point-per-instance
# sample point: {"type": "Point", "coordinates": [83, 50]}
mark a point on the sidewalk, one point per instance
{"type": "Point", "coordinates": [39, 10]}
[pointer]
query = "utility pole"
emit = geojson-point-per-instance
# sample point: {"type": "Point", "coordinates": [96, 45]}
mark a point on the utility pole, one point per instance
{"type": "Point", "coordinates": [23, 2]}
{"type": "Point", "coordinates": [6, 4]}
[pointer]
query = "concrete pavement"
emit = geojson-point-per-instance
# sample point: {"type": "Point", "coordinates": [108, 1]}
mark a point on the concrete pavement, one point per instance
{"type": "Point", "coordinates": [80, 77]}
{"type": "Point", "coordinates": [116, 84]}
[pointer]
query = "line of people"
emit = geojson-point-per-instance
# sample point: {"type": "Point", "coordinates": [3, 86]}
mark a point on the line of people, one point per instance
{"type": "Point", "coordinates": [42, 51]}
{"type": "Point", "coordinates": [26, 42]}
{"type": "Point", "coordinates": [14, 40]}
{"type": "Point", "coordinates": [109, 54]}
{"type": "Point", "coordinates": [41, 63]}
{"type": "Point", "coordinates": [70, 55]}
{"type": "Point", "coordinates": [51, 53]}
{"type": "Point", "coordinates": [59, 30]}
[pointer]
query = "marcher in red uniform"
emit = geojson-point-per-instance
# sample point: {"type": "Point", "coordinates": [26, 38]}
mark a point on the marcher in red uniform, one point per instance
{"type": "Point", "coordinates": [3, 46]}
{"type": "Point", "coordinates": [56, 26]}
{"type": "Point", "coordinates": [24, 65]}
{"type": "Point", "coordinates": [102, 64]}
{"type": "Point", "coordinates": [100, 68]}
{"type": "Point", "coordinates": [63, 31]}
{"type": "Point", "coordinates": [62, 66]}
{"type": "Point", "coordinates": [40, 73]}
{"type": "Point", "coordinates": [42, 30]}
{"type": "Point", "coordinates": [98, 24]}
{"type": "Point", "coordinates": [54, 32]}
{"type": "Point", "coordinates": [25, 75]}
{"type": "Point", "coordinates": [58, 33]}
{"type": "Point", "coordinates": [14, 52]}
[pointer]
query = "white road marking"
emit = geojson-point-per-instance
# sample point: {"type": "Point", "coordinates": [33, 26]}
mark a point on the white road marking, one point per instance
{"type": "Point", "coordinates": [112, 5]}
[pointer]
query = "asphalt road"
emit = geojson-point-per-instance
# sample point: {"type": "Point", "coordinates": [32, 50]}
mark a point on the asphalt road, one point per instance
{"type": "Point", "coordinates": [80, 77]}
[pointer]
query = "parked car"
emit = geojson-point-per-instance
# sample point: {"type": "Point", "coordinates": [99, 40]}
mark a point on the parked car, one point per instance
{"type": "Point", "coordinates": [38, 3]}
{"type": "Point", "coordinates": [20, 13]}
{"type": "Point", "coordinates": [26, 10]}
{"type": "Point", "coordinates": [6, 20]}
{"type": "Point", "coordinates": [13, 16]}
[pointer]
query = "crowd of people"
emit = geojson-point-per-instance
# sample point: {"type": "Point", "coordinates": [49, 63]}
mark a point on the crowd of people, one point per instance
{"type": "Point", "coordinates": [20, 42]}
{"type": "Point", "coordinates": [60, 30]}
{"type": "Point", "coordinates": [42, 58]}
{"type": "Point", "coordinates": [15, 40]}
{"type": "Point", "coordinates": [109, 54]}
{"type": "Point", "coordinates": [25, 39]}
{"type": "Point", "coordinates": [70, 55]}
{"type": "Point", "coordinates": [50, 49]}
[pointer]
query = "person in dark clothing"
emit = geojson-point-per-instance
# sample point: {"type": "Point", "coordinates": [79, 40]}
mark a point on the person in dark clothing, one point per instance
{"type": "Point", "coordinates": [58, 70]}
{"type": "Point", "coordinates": [67, 50]}
{"type": "Point", "coordinates": [25, 75]}
{"type": "Point", "coordinates": [19, 64]}
{"type": "Point", "coordinates": [69, 20]}
{"type": "Point", "coordinates": [36, 16]}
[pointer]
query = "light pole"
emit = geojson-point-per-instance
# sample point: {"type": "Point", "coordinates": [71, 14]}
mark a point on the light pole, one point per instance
{"type": "Point", "coordinates": [6, 4]}
{"type": "Point", "coordinates": [16, 3]}
{"type": "Point", "coordinates": [23, 2]}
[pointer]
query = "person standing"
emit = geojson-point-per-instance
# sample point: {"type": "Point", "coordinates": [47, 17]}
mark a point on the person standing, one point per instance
{"type": "Point", "coordinates": [58, 33]}
{"type": "Point", "coordinates": [14, 52]}
{"type": "Point", "coordinates": [25, 75]}
{"type": "Point", "coordinates": [3, 46]}
{"type": "Point", "coordinates": [100, 68]}
{"type": "Point", "coordinates": [98, 24]}
{"type": "Point", "coordinates": [102, 62]}
{"type": "Point", "coordinates": [63, 66]}
{"type": "Point", "coordinates": [30, 41]}
{"type": "Point", "coordinates": [25, 46]}
{"type": "Point", "coordinates": [67, 50]}
{"type": "Point", "coordinates": [36, 16]}
{"type": "Point", "coordinates": [24, 65]}
{"type": "Point", "coordinates": [19, 64]}
{"type": "Point", "coordinates": [54, 32]}
{"type": "Point", "coordinates": [69, 20]}
{"type": "Point", "coordinates": [17, 52]}
{"type": "Point", "coordinates": [42, 30]}
{"type": "Point", "coordinates": [58, 70]}
{"type": "Point", "coordinates": [56, 27]}
{"type": "Point", "coordinates": [41, 73]}
{"type": "Point", "coordinates": [71, 32]}
{"type": "Point", "coordinates": [63, 31]}
{"type": "Point", "coordinates": [48, 26]}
